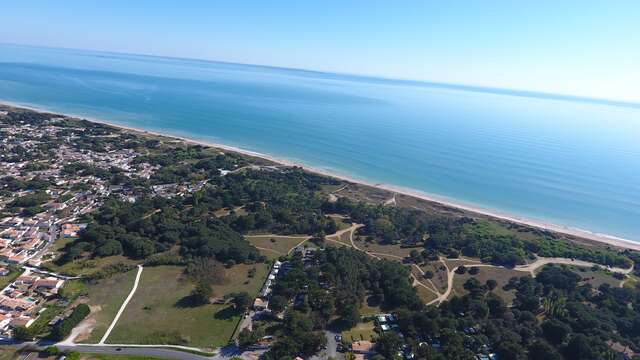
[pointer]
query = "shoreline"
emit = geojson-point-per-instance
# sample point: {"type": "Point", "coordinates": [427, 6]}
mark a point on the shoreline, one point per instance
{"type": "Point", "coordinates": [581, 234]}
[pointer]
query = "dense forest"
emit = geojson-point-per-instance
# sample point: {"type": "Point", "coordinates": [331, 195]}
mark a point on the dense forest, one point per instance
{"type": "Point", "coordinates": [154, 225]}
{"type": "Point", "coordinates": [283, 202]}
{"type": "Point", "coordinates": [553, 317]}
{"type": "Point", "coordinates": [330, 293]}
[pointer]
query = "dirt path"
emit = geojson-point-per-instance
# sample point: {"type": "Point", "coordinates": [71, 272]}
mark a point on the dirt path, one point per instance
{"type": "Point", "coordinates": [151, 213]}
{"type": "Point", "coordinates": [529, 268]}
{"type": "Point", "coordinates": [391, 201]}
{"type": "Point", "coordinates": [123, 307]}
{"type": "Point", "coordinates": [80, 331]}
{"type": "Point", "coordinates": [298, 244]}
{"type": "Point", "coordinates": [377, 256]}
{"type": "Point", "coordinates": [542, 261]}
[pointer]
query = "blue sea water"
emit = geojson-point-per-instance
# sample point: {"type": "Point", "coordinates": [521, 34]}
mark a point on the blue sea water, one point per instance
{"type": "Point", "coordinates": [571, 163]}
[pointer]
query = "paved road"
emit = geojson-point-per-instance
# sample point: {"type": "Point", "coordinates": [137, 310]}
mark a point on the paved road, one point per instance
{"type": "Point", "coordinates": [140, 351]}
{"type": "Point", "coordinates": [330, 351]}
{"type": "Point", "coordinates": [247, 322]}
{"type": "Point", "coordinates": [332, 344]}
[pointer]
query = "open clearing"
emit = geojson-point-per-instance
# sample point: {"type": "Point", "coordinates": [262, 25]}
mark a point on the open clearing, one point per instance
{"type": "Point", "coordinates": [501, 275]}
{"type": "Point", "coordinates": [274, 246]}
{"type": "Point", "coordinates": [362, 331]}
{"type": "Point", "coordinates": [439, 279]}
{"type": "Point", "coordinates": [595, 278]}
{"type": "Point", "coordinates": [394, 251]}
{"type": "Point", "coordinates": [88, 266]}
{"type": "Point", "coordinates": [105, 298]}
{"type": "Point", "coordinates": [425, 295]}
{"type": "Point", "coordinates": [155, 316]}
{"type": "Point", "coordinates": [341, 221]}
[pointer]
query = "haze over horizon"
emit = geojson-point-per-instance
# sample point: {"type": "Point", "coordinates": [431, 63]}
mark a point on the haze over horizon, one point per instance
{"type": "Point", "coordinates": [573, 48]}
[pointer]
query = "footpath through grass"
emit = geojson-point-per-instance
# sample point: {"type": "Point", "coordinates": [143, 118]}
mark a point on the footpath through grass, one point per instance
{"type": "Point", "coordinates": [105, 298]}
{"type": "Point", "coordinates": [156, 314]}
{"type": "Point", "coordinates": [276, 245]}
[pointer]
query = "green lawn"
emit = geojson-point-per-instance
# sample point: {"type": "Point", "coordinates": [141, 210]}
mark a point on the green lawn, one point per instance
{"type": "Point", "coordinates": [13, 274]}
{"type": "Point", "coordinates": [155, 316]}
{"type": "Point", "coordinates": [87, 266]}
{"type": "Point", "coordinates": [105, 298]}
{"type": "Point", "coordinates": [362, 331]}
{"type": "Point", "coordinates": [278, 245]}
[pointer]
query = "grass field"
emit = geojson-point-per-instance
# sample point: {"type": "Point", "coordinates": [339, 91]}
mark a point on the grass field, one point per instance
{"type": "Point", "coordinates": [155, 316]}
{"type": "Point", "coordinates": [425, 295]}
{"type": "Point", "coordinates": [276, 245]}
{"type": "Point", "coordinates": [454, 263]}
{"type": "Point", "coordinates": [394, 250]}
{"type": "Point", "coordinates": [88, 266]}
{"type": "Point", "coordinates": [8, 353]}
{"type": "Point", "coordinates": [13, 274]}
{"type": "Point", "coordinates": [362, 331]}
{"type": "Point", "coordinates": [105, 298]}
{"type": "Point", "coordinates": [61, 243]}
{"type": "Point", "coordinates": [344, 238]}
{"type": "Point", "coordinates": [501, 275]}
{"type": "Point", "coordinates": [340, 220]}
{"type": "Point", "coordinates": [439, 278]}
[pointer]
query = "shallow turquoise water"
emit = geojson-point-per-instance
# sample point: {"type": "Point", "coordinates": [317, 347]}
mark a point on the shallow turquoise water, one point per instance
{"type": "Point", "coordinates": [569, 163]}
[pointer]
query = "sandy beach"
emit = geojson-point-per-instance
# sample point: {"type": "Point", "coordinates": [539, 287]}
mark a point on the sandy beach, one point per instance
{"type": "Point", "coordinates": [579, 234]}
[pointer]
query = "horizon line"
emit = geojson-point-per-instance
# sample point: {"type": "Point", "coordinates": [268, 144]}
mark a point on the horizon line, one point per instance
{"type": "Point", "coordinates": [375, 78]}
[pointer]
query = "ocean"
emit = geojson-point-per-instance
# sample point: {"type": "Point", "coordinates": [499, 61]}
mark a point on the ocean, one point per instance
{"type": "Point", "coordinates": [564, 161]}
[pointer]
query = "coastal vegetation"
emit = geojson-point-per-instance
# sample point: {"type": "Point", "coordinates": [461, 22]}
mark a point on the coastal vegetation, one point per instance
{"type": "Point", "coordinates": [207, 225]}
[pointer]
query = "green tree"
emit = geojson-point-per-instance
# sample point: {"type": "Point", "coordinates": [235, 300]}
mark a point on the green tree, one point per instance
{"type": "Point", "coordinates": [542, 350]}
{"type": "Point", "coordinates": [491, 284]}
{"type": "Point", "coordinates": [241, 301]}
{"type": "Point", "coordinates": [201, 294]}
{"type": "Point", "coordinates": [277, 303]}
{"type": "Point", "coordinates": [555, 331]}
{"type": "Point", "coordinates": [388, 345]}
{"type": "Point", "coordinates": [508, 350]}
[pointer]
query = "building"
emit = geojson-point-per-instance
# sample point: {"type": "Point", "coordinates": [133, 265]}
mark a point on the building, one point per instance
{"type": "Point", "coordinates": [19, 305]}
{"type": "Point", "coordinates": [49, 284]}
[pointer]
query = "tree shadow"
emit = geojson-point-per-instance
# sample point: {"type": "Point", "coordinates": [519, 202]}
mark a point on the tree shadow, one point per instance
{"type": "Point", "coordinates": [187, 302]}
{"type": "Point", "coordinates": [226, 313]}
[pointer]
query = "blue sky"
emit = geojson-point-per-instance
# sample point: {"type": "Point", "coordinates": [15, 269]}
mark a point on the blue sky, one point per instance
{"type": "Point", "coordinates": [580, 47]}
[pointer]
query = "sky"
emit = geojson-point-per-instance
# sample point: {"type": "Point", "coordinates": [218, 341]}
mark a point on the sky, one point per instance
{"type": "Point", "coordinates": [578, 47]}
